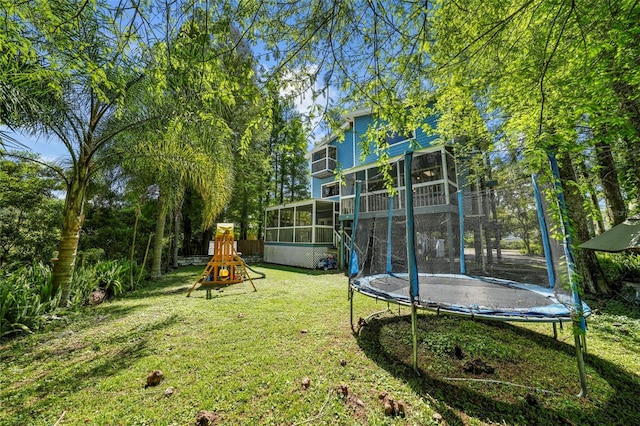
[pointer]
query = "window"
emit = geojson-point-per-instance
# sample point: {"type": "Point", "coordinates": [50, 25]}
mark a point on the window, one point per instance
{"type": "Point", "coordinates": [286, 217]}
{"type": "Point", "coordinates": [394, 138]}
{"type": "Point", "coordinates": [426, 168]}
{"type": "Point", "coordinates": [375, 180]}
{"type": "Point", "coordinates": [351, 178]}
{"type": "Point", "coordinates": [272, 218]}
{"type": "Point", "coordinates": [324, 161]}
{"type": "Point", "coordinates": [271, 235]}
{"type": "Point", "coordinates": [330, 189]}
{"type": "Point", "coordinates": [303, 215]}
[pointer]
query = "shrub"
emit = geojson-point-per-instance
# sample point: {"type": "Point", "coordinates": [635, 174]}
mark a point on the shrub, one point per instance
{"type": "Point", "coordinates": [620, 266]}
{"type": "Point", "coordinates": [25, 299]}
{"type": "Point", "coordinates": [112, 276]}
{"type": "Point", "coordinates": [26, 292]}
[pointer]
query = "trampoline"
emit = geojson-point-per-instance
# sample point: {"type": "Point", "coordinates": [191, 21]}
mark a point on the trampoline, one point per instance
{"type": "Point", "coordinates": [482, 297]}
{"type": "Point", "coordinates": [443, 246]}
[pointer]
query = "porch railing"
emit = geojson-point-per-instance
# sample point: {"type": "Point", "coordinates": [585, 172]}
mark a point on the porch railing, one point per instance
{"type": "Point", "coordinates": [427, 194]}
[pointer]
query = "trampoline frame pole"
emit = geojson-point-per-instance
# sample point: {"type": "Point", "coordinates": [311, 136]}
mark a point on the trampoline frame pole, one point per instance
{"type": "Point", "coordinates": [543, 230]}
{"type": "Point", "coordinates": [463, 266]}
{"type": "Point", "coordinates": [389, 223]}
{"type": "Point", "coordinates": [353, 330]}
{"type": "Point", "coordinates": [414, 333]}
{"type": "Point", "coordinates": [414, 292]}
{"type": "Point", "coordinates": [353, 269]}
{"type": "Point", "coordinates": [414, 289]}
{"type": "Point", "coordinates": [579, 323]}
{"type": "Point", "coordinates": [580, 342]}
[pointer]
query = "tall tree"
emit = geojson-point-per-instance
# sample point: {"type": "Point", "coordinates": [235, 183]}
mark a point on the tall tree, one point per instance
{"type": "Point", "coordinates": [29, 211]}
{"type": "Point", "coordinates": [206, 75]}
{"type": "Point", "coordinates": [90, 48]}
{"type": "Point", "coordinates": [288, 145]}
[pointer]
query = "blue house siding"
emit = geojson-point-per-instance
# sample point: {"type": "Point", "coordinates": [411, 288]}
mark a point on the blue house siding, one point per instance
{"type": "Point", "coordinates": [317, 187]}
{"type": "Point", "coordinates": [345, 150]}
{"type": "Point", "coordinates": [349, 149]}
{"type": "Point", "coordinates": [422, 139]}
{"type": "Point", "coordinates": [360, 127]}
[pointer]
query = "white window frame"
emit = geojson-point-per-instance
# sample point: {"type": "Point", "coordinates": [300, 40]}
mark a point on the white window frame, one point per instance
{"type": "Point", "coordinates": [334, 183]}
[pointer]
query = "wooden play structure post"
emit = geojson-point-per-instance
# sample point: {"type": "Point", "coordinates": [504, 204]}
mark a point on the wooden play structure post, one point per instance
{"type": "Point", "coordinates": [225, 267]}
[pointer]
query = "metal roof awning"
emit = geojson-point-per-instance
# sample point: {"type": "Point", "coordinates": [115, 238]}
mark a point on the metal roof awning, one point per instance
{"type": "Point", "coordinates": [625, 236]}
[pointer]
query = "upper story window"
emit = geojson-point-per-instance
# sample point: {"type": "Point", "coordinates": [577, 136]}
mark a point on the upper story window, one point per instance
{"type": "Point", "coordinates": [350, 180]}
{"type": "Point", "coordinates": [323, 161]}
{"type": "Point", "coordinates": [330, 189]}
{"type": "Point", "coordinates": [393, 138]}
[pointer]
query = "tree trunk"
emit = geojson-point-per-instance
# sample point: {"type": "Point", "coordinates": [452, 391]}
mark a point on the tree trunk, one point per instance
{"type": "Point", "coordinates": [176, 238]}
{"type": "Point", "coordinates": [283, 168]}
{"type": "Point", "coordinates": [630, 105]}
{"type": "Point", "coordinates": [187, 228]}
{"type": "Point", "coordinates": [133, 247]}
{"type": "Point", "coordinates": [244, 215]}
{"type": "Point", "coordinates": [156, 255]}
{"type": "Point", "coordinates": [593, 280]}
{"type": "Point", "coordinates": [70, 234]}
{"type": "Point", "coordinates": [632, 146]}
{"type": "Point", "coordinates": [610, 185]}
{"type": "Point", "coordinates": [594, 211]}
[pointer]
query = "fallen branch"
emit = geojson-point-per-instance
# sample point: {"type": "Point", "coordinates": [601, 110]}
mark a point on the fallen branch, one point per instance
{"type": "Point", "coordinates": [60, 418]}
{"type": "Point", "coordinates": [319, 412]}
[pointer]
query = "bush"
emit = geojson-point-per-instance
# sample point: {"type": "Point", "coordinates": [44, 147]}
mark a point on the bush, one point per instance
{"type": "Point", "coordinates": [26, 292]}
{"type": "Point", "coordinates": [25, 299]}
{"type": "Point", "coordinates": [111, 276]}
{"type": "Point", "coordinates": [620, 266]}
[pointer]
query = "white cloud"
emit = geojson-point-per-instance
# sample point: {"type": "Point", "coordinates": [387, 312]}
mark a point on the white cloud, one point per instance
{"type": "Point", "coordinates": [309, 96]}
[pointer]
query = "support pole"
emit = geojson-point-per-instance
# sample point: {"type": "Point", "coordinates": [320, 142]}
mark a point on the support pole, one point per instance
{"type": "Point", "coordinates": [580, 339]}
{"type": "Point", "coordinates": [579, 322]}
{"type": "Point", "coordinates": [389, 229]}
{"type": "Point", "coordinates": [546, 245]}
{"type": "Point", "coordinates": [353, 259]}
{"type": "Point", "coordinates": [353, 330]}
{"type": "Point", "coordinates": [414, 288]}
{"type": "Point", "coordinates": [463, 266]}
{"type": "Point", "coordinates": [414, 333]}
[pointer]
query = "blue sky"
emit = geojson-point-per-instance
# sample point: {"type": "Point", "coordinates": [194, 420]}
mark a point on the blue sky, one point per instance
{"type": "Point", "coordinates": [49, 149]}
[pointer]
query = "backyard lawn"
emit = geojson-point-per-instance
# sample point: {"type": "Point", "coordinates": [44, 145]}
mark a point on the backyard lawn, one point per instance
{"type": "Point", "coordinates": [286, 355]}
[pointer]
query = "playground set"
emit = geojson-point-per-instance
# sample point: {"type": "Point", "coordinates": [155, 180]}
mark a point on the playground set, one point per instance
{"type": "Point", "coordinates": [225, 267]}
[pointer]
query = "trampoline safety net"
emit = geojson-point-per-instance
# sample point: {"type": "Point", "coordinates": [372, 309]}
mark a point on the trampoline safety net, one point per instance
{"type": "Point", "coordinates": [480, 251]}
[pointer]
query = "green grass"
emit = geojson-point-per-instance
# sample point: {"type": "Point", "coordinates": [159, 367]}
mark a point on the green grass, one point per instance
{"type": "Point", "coordinates": [244, 354]}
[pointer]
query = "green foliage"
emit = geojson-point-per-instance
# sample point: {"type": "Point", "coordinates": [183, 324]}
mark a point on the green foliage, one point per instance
{"type": "Point", "coordinates": [26, 293]}
{"type": "Point", "coordinates": [620, 266]}
{"type": "Point", "coordinates": [30, 214]}
{"type": "Point", "coordinates": [111, 276]}
{"type": "Point", "coordinates": [25, 299]}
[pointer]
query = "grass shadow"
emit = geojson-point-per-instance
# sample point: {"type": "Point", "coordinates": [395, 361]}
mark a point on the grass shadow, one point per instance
{"type": "Point", "coordinates": [298, 270]}
{"type": "Point", "coordinates": [501, 403]}
{"type": "Point", "coordinates": [226, 291]}
{"type": "Point", "coordinates": [78, 364]}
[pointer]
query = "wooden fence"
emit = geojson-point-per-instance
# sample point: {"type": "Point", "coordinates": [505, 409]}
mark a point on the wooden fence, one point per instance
{"type": "Point", "coordinates": [251, 247]}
